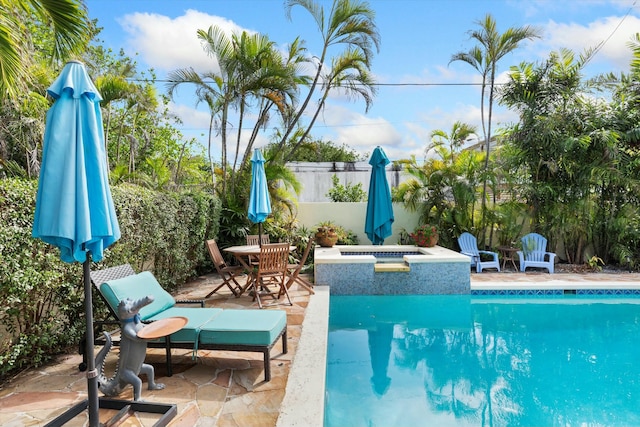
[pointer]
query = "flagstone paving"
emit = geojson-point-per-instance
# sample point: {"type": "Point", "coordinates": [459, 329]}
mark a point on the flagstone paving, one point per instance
{"type": "Point", "coordinates": [219, 388]}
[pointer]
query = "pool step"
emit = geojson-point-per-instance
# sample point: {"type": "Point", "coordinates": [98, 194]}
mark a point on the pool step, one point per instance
{"type": "Point", "coordinates": [391, 267]}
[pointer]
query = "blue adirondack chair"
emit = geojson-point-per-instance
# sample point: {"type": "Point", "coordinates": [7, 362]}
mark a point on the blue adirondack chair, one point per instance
{"type": "Point", "coordinates": [534, 253]}
{"type": "Point", "coordinates": [469, 247]}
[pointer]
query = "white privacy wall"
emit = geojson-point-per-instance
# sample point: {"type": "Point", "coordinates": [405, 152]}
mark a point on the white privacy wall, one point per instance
{"type": "Point", "coordinates": [352, 216]}
{"type": "Point", "coordinates": [316, 178]}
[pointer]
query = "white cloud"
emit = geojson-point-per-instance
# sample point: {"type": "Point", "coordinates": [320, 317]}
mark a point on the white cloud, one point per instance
{"type": "Point", "coordinates": [362, 133]}
{"type": "Point", "coordinates": [613, 29]}
{"type": "Point", "coordinates": [166, 44]}
{"type": "Point", "coordinates": [192, 118]}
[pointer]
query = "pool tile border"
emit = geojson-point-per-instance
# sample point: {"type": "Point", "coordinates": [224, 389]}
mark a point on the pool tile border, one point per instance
{"type": "Point", "coordinates": [545, 292]}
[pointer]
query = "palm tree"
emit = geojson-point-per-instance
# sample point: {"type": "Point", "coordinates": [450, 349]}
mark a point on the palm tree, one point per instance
{"type": "Point", "coordinates": [71, 27]}
{"type": "Point", "coordinates": [209, 89]}
{"type": "Point", "coordinates": [350, 23]}
{"type": "Point", "coordinates": [484, 57]}
{"type": "Point", "coordinates": [459, 134]}
{"type": "Point", "coordinates": [251, 71]}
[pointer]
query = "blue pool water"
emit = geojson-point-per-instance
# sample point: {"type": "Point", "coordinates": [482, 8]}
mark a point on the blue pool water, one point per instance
{"type": "Point", "coordinates": [462, 360]}
{"type": "Point", "coordinates": [384, 256]}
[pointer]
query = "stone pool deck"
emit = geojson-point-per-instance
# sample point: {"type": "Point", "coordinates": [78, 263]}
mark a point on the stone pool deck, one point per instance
{"type": "Point", "coordinates": [227, 388]}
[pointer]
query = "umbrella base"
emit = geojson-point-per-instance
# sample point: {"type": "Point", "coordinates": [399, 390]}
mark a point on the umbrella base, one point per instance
{"type": "Point", "coordinates": [168, 411]}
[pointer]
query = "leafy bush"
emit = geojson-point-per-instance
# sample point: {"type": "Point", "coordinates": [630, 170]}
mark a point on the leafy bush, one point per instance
{"type": "Point", "coordinates": [349, 193]}
{"type": "Point", "coordinates": [41, 297]}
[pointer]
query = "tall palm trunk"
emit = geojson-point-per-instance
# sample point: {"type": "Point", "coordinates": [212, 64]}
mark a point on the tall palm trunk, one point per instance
{"type": "Point", "coordinates": [486, 161]}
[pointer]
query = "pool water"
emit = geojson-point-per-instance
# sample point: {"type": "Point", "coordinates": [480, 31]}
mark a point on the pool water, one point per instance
{"type": "Point", "coordinates": [461, 360]}
{"type": "Point", "coordinates": [385, 257]}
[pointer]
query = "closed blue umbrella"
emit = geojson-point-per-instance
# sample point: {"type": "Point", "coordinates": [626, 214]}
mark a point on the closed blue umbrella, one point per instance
{"type": "Point", "coordinates": [74, 209]}
{"type": "Point", "coordinates": [259, 202]}
{"type": "Point", "coordinates": [379, 207]}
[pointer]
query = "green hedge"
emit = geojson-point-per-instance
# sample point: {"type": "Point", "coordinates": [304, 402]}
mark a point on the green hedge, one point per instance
{"type": "Point", "coordinates": [41, 297]}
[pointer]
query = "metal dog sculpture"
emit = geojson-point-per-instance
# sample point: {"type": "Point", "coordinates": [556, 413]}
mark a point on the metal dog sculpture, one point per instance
{"type": "Point", "coordinates": [132, 353]}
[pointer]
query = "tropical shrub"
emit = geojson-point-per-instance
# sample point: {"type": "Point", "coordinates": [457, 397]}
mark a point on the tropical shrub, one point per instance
{"type": "Point", "coordinates": [41, 297]}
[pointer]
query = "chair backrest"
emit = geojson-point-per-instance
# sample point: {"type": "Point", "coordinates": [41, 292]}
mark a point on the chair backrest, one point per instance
{"type": "Point", "coordinates": [303, 260]}
{"type": "Point", "coordinates": [468, 244]}
{"type": "Point", "coordinates": [98, 277]}
{"type": "Point", "coordinates": [274, 259]}
{"type": "Point", "coordinates": [254, 239]}
{"type": "Point", "coordinates": [135, 287]}
{"type": "Point", "coordinates": [216, 255]}
{"type": "Point", "coordinates": [534, 247]}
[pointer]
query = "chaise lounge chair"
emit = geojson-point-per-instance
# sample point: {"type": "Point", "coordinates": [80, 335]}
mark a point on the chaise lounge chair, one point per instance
{"type": "Point", "coordinates": [469, 247]}
{"type": "Point", "coordinates": [207, 328]}
{"type": "Point", "coordinates": [534, 253]}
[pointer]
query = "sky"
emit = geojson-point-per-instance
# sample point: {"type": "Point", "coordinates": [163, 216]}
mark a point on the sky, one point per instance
{"type": "Point", "coordinates": [420, 90]}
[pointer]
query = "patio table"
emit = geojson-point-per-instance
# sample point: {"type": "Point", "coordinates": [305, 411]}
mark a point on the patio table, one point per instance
{"type": "Point", "coordinates": [508, 253]}
{"type": "Point", "coordinates": [242, 253]}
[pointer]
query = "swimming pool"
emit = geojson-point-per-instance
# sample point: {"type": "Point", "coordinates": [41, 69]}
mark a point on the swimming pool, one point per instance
{"type": "Point", "coordinates": [463, 360]}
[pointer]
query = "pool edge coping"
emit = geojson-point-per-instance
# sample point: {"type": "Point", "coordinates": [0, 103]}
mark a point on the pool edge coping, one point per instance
{"type": "Point", "coordinates": [303, 402]}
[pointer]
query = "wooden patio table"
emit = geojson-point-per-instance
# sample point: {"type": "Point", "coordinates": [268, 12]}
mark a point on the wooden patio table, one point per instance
{"type": "Point", "coordinates": [242, 253]}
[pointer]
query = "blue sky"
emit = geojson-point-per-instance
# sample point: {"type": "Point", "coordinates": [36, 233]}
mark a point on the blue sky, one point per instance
{"type": "Point", "coordinates": [418, 38]}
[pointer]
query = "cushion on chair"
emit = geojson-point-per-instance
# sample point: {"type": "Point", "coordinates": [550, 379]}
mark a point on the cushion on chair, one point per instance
{"type": "Point", "coordinates": [244, 327]}
{"type": "Point", "coordinates": [138, 286]}
{"type": "Point", "coordinates": [197, 316]}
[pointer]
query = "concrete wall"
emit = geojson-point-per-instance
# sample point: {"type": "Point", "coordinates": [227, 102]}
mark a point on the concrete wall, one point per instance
{"type": "Point", "coordinates": [351, 216]}
{"type": "Point", "coordinates": [316, 177]}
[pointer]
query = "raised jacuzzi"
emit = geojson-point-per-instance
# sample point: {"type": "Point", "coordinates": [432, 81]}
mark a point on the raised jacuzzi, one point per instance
{"type": "Point", "coordinates": [358, 270]}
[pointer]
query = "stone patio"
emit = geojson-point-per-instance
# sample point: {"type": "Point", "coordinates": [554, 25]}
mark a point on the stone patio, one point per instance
{"type": "Point", "coordinates": [218, 389]}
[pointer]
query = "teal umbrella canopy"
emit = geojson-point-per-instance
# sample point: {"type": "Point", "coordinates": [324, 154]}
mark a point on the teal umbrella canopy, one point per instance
{"type": "Point", "coordinates": [379, 217]}
{"type": "Point", "coordinates": [74, 209]}
{"type": "Point", "coordinates": [259, 201]}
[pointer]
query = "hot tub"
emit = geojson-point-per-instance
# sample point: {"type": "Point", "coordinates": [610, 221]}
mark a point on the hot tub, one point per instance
{"type": "Point", "coordinates": [359, 270]}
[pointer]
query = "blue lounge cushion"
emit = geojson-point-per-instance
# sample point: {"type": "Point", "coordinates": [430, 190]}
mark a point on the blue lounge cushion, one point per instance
{"type": "Point", "coordinates": [244, 327]}
{"type": "Point", "coordinates": [197, 317]}
{"type": "Point", "coordinates": [138, 286]}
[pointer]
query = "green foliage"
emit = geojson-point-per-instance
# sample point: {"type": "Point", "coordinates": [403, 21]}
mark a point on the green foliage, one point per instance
{"type": "Point", "coordinates": [346, 193]}
{"type": "Point", "coordinates": [595, 263]}
{"type": "Point", "coordinates": [577, 171]}
{"type": "Point", "coordinates": [324, 151]}
{"type": "Point", "coordinates": [444, 191]}
{"type": "Point", "coordinates": [41, 297]}
{"type": "Point", "coordinates": [510, 217]}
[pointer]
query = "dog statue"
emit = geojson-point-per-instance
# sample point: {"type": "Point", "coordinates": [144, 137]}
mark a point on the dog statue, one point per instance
{"type": "Point", "coordinates": [132, 353]}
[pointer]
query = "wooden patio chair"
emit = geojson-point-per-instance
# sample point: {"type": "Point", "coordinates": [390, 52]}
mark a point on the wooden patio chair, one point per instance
{"type": "Point", "coordinates": [253, 240]}
{"type": "Point", "coordinates": [228, 273]}
{"type": "Point", "coordinates": [294, 269]}
{"type": "Point", "coordinates": [272, 270]}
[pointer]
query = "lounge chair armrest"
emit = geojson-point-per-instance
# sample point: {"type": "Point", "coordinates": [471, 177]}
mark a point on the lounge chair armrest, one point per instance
{"type": "Point", "coordinates": [469, 254]}
{"type": "Point", "coordinates": [191, 301]}
{"type": "Point", "coordinates": [493, 254]}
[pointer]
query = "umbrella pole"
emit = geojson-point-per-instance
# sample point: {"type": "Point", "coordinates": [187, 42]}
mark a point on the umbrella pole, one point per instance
{"type": "Point", "coordinates": [92, 374]}
{"type": "Point", "coordinates": [260, 234]}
